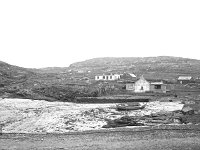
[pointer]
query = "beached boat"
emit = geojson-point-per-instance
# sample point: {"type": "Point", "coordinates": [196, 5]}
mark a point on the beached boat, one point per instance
{"type": "Point", "coordinates": [123, 107]}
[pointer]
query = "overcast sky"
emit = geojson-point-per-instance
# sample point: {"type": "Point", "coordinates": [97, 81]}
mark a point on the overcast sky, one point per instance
{"type": "Point", "coordinates": [47, 33]}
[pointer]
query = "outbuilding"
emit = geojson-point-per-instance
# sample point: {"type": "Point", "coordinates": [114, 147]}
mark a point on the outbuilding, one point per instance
{"type": "Point", "coordinates": [130, 86]}
{"type": "Point", "coordinates": [184, 79]}
{"type": "Point", "coordinates": [158, 87]}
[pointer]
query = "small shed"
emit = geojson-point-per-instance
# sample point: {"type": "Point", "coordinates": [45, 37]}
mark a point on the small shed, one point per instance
{"type": "Point", "coordinates": [184, 79]}
{"type": "Point", "coordinates": [158, 87]}
{"type": "Point", "coordinates": [130, 86]}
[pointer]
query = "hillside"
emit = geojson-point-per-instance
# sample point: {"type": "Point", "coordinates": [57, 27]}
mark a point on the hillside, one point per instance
{"type": "Point", "coordinates": [10, 74]}
{"type": "Point", "coordinates": [18, 82]}
{"type": "Point", "coordinates": [153, 67]}
{"type": "Point", "coordinates": [51, 70]}
{"type": "Point", "coordinates": [65, 84]}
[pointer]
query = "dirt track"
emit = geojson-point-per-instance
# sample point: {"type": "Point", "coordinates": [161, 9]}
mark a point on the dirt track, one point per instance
{"type": "Point", "coordinates": [126, 139]}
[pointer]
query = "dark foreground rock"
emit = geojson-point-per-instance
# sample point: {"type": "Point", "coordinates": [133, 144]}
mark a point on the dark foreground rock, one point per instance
{"type": "Point", "coordinates": [165, 118]}
{"type": "Point", "coordinates": [176, 117]}
{"type": "Point", "coordinates": [188, 110]}
{"type": "Point", "coordinates": [122, 122]}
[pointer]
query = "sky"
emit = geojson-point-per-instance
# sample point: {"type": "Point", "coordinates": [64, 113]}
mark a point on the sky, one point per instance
{"type": "Point", "coordinates": [57, 33]}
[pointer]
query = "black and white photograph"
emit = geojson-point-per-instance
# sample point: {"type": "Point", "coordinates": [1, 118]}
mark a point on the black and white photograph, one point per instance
{"type": "Point", "coordinates": [99, 75]}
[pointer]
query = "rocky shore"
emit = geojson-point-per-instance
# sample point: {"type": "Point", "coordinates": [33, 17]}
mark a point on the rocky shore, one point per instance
{"type": "Point", "coordinates": [36, 116]}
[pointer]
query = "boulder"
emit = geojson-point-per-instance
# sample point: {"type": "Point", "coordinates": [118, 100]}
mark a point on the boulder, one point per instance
{"type": "Point", "coordinates": [197, 112]}
{"type": "Point", "coordinates": [187, 110]}
{"type": "Point", "coordinates": [177, 121]}
{"type": "Point", "coordinates": [122, 122]}
{"type": "Point", "coordinates": [165, 118]}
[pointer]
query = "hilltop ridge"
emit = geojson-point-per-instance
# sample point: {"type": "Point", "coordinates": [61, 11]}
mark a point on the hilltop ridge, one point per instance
{"type": "Point", "coordinates": [153, 67]}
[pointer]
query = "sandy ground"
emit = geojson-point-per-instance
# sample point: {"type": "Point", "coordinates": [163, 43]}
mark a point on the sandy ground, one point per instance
{"type": "Point", "coordinates": [36, 116]}
{"type": "Point", "coordinates": [126, 140]}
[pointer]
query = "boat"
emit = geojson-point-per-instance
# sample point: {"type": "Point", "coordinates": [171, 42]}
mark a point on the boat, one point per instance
{"type": "Point", "coordinates": [126, 107]}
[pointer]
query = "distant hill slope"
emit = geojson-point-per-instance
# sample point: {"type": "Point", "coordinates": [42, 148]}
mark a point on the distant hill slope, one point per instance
{"type": "Point", "coordinates": [49, 84]}
{"type": "Point", "coordinates": [51, 70]}
{"type": "Point", "coordinates": [163, 66]}
{"type": "Point", "coordinates": [10, 74]}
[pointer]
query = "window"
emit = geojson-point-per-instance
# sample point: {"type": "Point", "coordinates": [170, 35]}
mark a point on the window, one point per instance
{"type": "Point", "coordinates": [110, 77]}
{"type": "Point", "coordinates": [157, 86]}
{"type": "Point", "coordinates": [104, 77]}
{"type": "Point", "coordinates": [142, 88]}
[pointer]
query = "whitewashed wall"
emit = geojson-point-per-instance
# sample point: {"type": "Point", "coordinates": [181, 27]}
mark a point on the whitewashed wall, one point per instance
{"type": "Point", "coordinates": [142, 85]}
{"type": "Point", "coordinates": [108, 77]}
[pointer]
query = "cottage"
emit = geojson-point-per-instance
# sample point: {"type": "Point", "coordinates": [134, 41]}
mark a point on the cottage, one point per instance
{"type": "Point", "coordinates": [184, 79]}
{"type": "Point", "coordinates": [142, 85]}
{"type": "Point", "coordinates": [108, 77]}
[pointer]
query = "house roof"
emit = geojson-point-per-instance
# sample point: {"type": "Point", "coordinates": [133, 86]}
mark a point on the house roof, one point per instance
{"type": "Point", "coordinates": [132, 75]}
{"type": "Point", "coordinates": [128, 77]}
{"type": "Point", "coordinates": [184, 78]}
{"type": "Point", "coordinates": [157, 83]}
{"type": "Point", "coordinates": [107, 74]}
{"type": "Point", "coordinates": [128, 82]}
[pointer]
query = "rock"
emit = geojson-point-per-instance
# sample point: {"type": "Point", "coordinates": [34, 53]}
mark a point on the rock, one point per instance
{"type": "Point", "coordinates": [189, 102]}
{"type": "Point", "coordinates": [188, 110]}
{"type": "Point", "coordinates": [159, 121]}
{"type": "Point", "coordinates": [165, 118]}
{"type": "Point", "coordinates": [125, 120]}
{"type": "Point", "coordinates": [122, 122]}
{"type": "Point", "coordinates": [197, 112]}
{"type": "Point", "coordinates": [177, 121]}
{"type": "Point", "coordinates": [177, 114]}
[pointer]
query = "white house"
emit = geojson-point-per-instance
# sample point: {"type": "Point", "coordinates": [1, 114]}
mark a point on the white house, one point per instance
{"type": "Point", "coordinates": [107, 77]}
{"type": "Point", "coordinates": [142, 85]}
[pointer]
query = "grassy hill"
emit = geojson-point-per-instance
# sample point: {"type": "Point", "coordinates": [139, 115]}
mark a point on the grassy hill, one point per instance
{"type": "Point", "coordinates": [152, 67]}
{"type": "Point", "coordinates": [57, 83]}
{"type": "Point", "coordinates": [162, 67]}
{"type": "Point", "coordinates": [18, 82]}
{"type": "Point", "coordinates": [10, 74]}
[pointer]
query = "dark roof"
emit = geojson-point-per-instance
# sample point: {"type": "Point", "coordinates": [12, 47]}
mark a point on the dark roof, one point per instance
{"type": "Point", "coordinates": [126, 82]}
{"type": "Point", "coordinates": [106, 74]}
